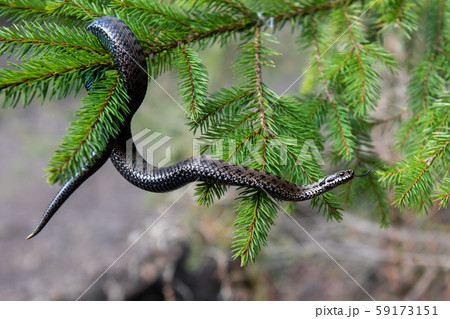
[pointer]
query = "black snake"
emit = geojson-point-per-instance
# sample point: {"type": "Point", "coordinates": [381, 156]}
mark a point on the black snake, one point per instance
{"type": "Point", "coordinates": [130, 60]}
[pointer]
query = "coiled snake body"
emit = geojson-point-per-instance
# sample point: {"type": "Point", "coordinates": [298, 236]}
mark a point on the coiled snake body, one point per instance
{"type": "Point", "coordinates": [130, 61]}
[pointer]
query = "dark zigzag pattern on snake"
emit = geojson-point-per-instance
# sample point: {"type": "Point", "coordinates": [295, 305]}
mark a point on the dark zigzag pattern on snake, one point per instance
{"type": "Point", "coordinates": [130, 61]}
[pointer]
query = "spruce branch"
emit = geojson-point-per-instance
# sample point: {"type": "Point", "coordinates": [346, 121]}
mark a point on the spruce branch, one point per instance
{"type": "Point", "coordinates": [16, 10]}
{"type": "Point", "coordinates": [45, 78]}
{"type": "Point", "coordinates": [234, 25]}
{"type": "Point", "coordinates": [366, 158]}
{"type": "Point", "coordinates": [160, 17]}
{"type": "Point", "coordinates": [206, 193]}
{"type": "Point", "coordinates": [443, 194]}
{"type": "Point", "coordinates": [99, 120]}
{"type": "Point", "coordinates": [230, 101]}
{"type": "Point", "coordinates": [339, 121]}
{"type": "Point", "coordinates": [251, 129]}
{"type": "Point", "coordinates": [258, 79]}
{"type": "Point", "coordinates": [382, 212]}
{"type": "Point", "coordinates": [257, 213]}
{"type": "Point", "coordinates": [428, 84]}
{"type": "Point", "coordinates": [232, 5]}
{"type": "Point", "coordinates": [249, 123]}
{"type": "Point", "coordinates": [81, 10]}
{"type": "Point", "coordinates": [194, 81]}
{"type": "Point", "coordinates": [417, 178]}
{"type": "Point", "coordinates": [399, 14]}
{"type": "Point", "coordinates": [33, 39]}
{"type": "Point", "coordinates": [358, 74]}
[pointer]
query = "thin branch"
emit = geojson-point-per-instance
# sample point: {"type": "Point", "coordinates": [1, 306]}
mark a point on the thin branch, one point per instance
{"type": "Point", "coordinates": [165, 15]}
{"type": "Point", "coordinates": [406, 135]}
{"type": "Point", "coordinates": [245, 250]}
{"type": "Point", "coordinates": [191, 79]}
{"type": "Point", "coordinates": [91, 127]}
{"type": "Point", "coordinates": [233, 128]}
{"type": "Point", "coordinates": [15, 6]}
{"type": "Point", "coordinates": [258, 77]}
{"type": "Point", "coordinates": [244, 24]}
{"type": "Point", "coordinates": [413, 184]}
{"type": "Point", "coordinates": [379, 199]}
{"type": "Point", "coordinates": [390, 118]}
{"type": "Point", "coordinates": [358, 55]}
{"type": "Point", "coordinates": [87, 10]}
{"type": "Point", "coordinates": [400, 10]}
{"type": "Point", "coordinates": [43, 76]}
{"type": "Point", "coordinates": [247, 138]}
{"type": "Point", "coordinates": [428, 163]}
{"type": "Point", "coordinates": [319, 105]}
{"type": "Point", "coordinates": [238, 6]}
{"type": "Point", "coordinates": [221, 106]}
{"type": "Point", "coordinates": [53, 43]}
{"type": "Point", "coordinates": [327, 91]}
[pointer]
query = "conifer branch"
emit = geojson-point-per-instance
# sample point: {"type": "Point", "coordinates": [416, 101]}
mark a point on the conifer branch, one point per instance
{"type": "Point", "coordinates": [56, 171]}
{"type": "Point", "coordinates": [194, 84]}
{"type": "Point", "coordinates": [215, 108]}
{"type": "Point", "coordinates": [33, 38]}
{"type": "Point", "coordinates": [158, 47]}
{"type": "Point", "coordinates": [319, 102]}
{"type": "Point", "coordinates": [206, 193]}
{"type": "Point", "coordinates": [244, 249]}
{"type": "Point", "coordinates": [191, 80]}
{"type": "Point", "coordinates": [173, 17]}
{"type": "Point", "coordinates": [99, 120]}
{"type": "Point", "coordinates": [39, 76]}
{"type": "Point", "coordinates": [403, 15]}
{"type": "Point", "coordinates": [249, 120]}
{"type": "Point", "coordinates": [239, 25]}
{"type": "Point", "coordinates": [255, 218]}
{"type": "Point", "coordinates": [382, 209]}
{"type": "Point", "coordinates": [22, 9]}
{"type": "Point", "coordinates": [243, 141]}
{"type": "Point", "coordinates": [443, 195]}
{"type": "Point", "coordinates": [258, 79]}
{"type": "Point", "coordinates": [405, 131]}
{"type": "Point", "coordinates": [84, 10]}
{"type": "Point", "coordinates": [238, 6]}
{"type": "Point", "coordinates": [345, 137]}
{"type": "Point", "coordinates": [401, 200]}
{"type": "Point", "coordinates": [355, 50]}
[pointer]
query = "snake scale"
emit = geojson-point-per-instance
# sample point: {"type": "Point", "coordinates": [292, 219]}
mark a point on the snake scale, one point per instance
{"type": "Point", "coordinates": [130, 61]}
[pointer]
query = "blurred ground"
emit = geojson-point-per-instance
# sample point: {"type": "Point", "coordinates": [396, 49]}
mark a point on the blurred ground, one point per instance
{"type": "Point", "coordinates": [185, 254]}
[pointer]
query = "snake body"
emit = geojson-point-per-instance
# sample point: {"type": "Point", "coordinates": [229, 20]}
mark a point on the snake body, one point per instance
{"type": "Point", "coordinates": [130, 60]}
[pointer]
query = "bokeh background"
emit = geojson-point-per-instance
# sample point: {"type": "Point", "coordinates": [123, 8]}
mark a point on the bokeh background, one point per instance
{"type": "Point", "coordinates": [185, 254]}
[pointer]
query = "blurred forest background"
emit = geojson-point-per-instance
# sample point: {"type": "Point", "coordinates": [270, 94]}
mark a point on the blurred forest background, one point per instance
{"type": "Point", "coordinates": [186, 254]}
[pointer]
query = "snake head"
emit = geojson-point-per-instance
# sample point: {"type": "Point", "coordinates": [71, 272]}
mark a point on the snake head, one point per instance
{"type": "Point", "coordinates": [336, 179]}
{"type": "Point", "coordinates": [326, 183]}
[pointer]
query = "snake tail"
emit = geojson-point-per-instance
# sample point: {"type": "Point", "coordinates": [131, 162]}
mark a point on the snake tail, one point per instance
{"type": "Point", "coordinates": [130, 61]}
{"type": "Point", "coordinates": [67, 189]}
